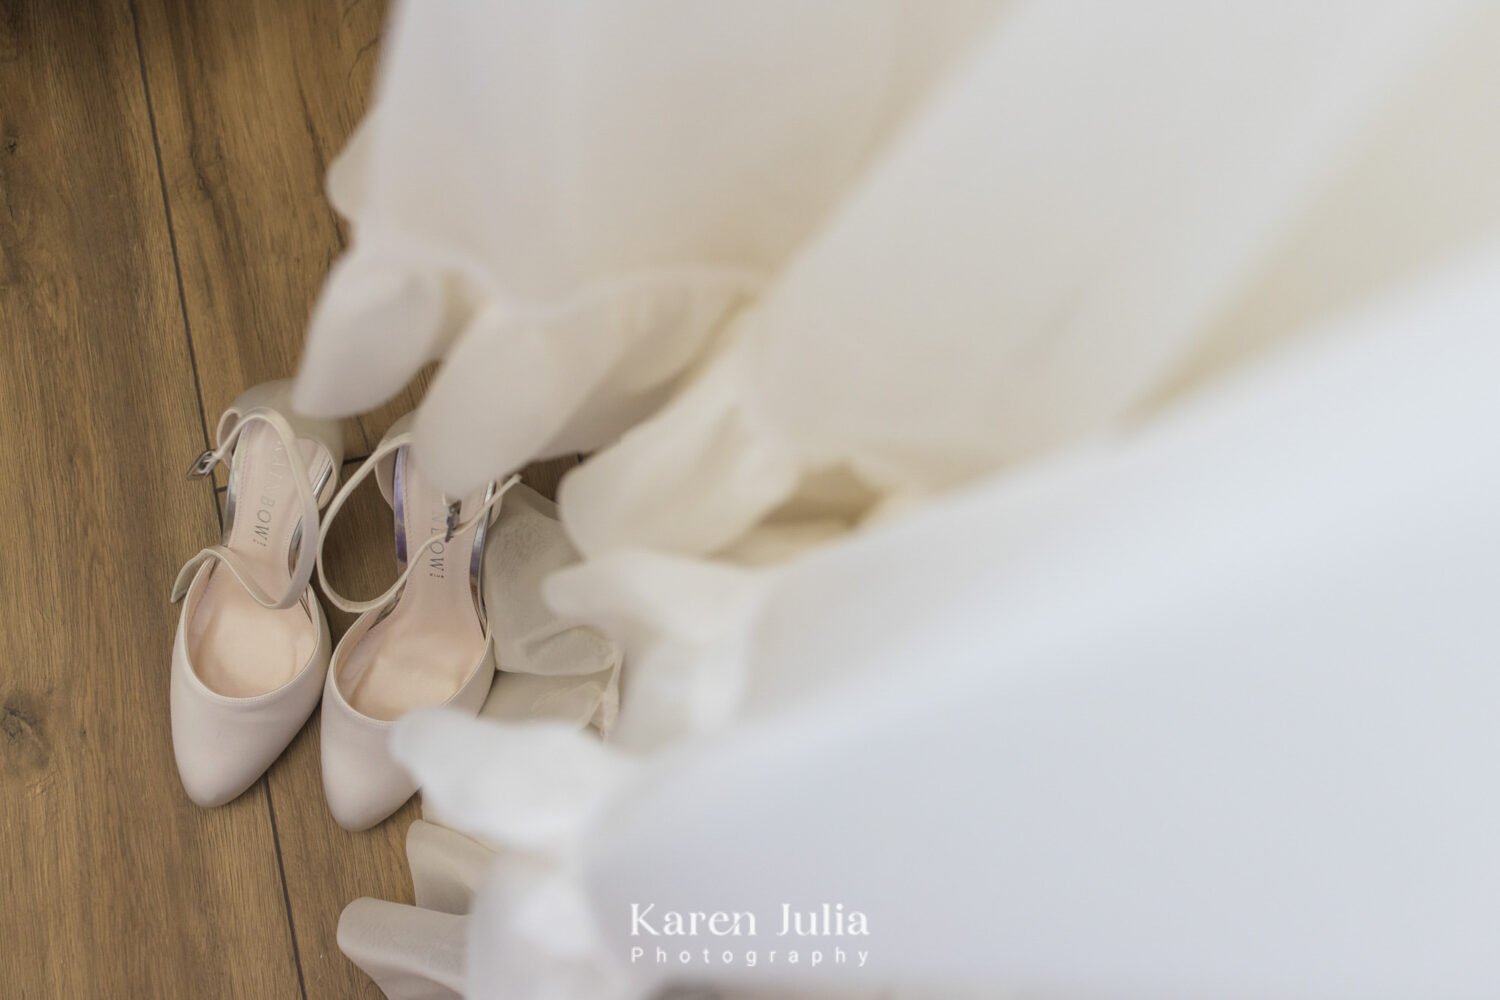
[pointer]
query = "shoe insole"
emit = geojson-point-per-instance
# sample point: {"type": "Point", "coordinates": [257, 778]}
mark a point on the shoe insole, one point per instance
{"type": "Point", "coordinates": [237, 647]}
{"type": "Point", "coordinates": [423, 651]}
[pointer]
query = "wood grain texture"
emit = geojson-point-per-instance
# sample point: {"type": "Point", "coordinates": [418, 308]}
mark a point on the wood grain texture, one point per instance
{"type": "Point", "coordinates": [252, 101]}
{"type": "Point", "coordinates": [163, 234]}
{"type": "Point", "coordinates": [112, 884]}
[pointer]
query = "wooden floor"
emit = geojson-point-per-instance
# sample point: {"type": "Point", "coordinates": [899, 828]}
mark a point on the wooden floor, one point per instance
{"type": "Point", "coordinates": [163, 234]}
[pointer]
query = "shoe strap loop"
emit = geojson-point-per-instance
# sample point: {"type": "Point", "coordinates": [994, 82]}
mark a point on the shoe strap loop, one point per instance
{"type": "Point", "coordinates": [455, 525]}
{"type": "Point", "coordinates": [307, 548]}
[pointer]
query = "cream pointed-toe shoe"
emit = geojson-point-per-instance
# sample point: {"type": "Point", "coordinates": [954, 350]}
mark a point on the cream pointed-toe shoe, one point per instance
{"type": "Point", "coordinates": [252, 643]}
{"type": "Point", "coordinates": [424, 642]}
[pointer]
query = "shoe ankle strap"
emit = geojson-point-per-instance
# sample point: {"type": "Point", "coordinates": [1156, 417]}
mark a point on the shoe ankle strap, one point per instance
{"type": "Point", "coordinates": [307, 547]}
{"type": "Point", "coordinates": [456, 525]}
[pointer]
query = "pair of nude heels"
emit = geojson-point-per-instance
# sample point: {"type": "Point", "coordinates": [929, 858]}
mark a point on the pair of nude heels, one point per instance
{"type": "Point", "coordinates": [252, 656]}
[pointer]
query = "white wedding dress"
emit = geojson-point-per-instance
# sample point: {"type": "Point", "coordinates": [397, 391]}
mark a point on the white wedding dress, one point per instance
{"type": "Point", "coordinates": [1044, 484]}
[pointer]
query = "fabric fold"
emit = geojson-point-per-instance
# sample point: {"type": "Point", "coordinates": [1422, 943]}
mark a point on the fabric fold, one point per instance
{"type": "Point", "coordinates": [556, 241]}
{"type": "Point", "coordinates": [1069, 532]}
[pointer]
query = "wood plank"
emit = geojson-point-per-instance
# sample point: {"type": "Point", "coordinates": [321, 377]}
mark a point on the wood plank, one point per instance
{"type": "Point", "coordinates": [113, 883]}
{"type": "Point", "coordinates": [252, 101]}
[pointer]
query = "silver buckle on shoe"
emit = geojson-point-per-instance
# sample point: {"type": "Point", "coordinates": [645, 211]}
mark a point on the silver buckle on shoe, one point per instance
{"type": "Point", "coordinates": [450, 527]}
{"type": "Point", "coordinates": [203, 465]}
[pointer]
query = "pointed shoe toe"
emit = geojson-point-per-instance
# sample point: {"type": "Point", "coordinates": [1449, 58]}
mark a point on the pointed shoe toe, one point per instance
{"type": "Point", "coordinates": [252, 644]}
{"type": "Point", "coordinates": [424, 642]}
{"type": "Point", "coordinates": [362, 783]}
{"type": "Point", "coordinates": [223, 744]}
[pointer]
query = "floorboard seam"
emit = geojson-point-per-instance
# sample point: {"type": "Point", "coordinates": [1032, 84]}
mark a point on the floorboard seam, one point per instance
{"type": "Point", "coordinates": [166, 204]}
{"type": "Point", "coordinates": [286, 896]}
{"type": "Point", "coordinates": [187, 330]}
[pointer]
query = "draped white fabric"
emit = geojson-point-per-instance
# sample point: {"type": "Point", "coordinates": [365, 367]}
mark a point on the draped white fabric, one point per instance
{"type": "Point", "coordinates": [1045, 490]}
{"type": "Point", "coordinates": [524, 203]}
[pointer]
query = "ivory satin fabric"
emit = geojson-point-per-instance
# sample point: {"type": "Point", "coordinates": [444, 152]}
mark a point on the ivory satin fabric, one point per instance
{"type": "Point", "coordinates": [1043, 477]}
